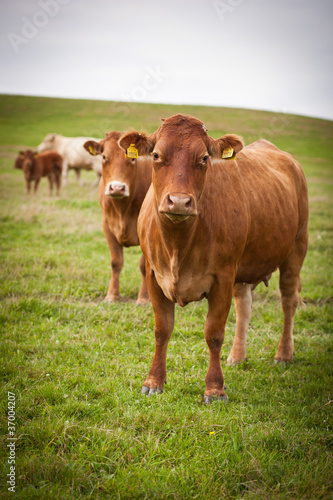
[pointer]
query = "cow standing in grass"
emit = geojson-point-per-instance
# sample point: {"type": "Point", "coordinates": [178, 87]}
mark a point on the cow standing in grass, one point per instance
{"type": "Point", "coordinates": [122, 188]}
{"type": "Point", "coordinates": [218, 219]}
{"type": "Point", "coordinates": [35, 166]}
{"type": "Point", "coordinates": [75, 157]}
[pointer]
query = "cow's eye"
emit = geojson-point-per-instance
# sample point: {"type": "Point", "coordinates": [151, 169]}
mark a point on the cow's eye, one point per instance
{"type": "Point", "coordinates": [103, 156]}
{"type": "Point", "coordinates": [155, 155]}
{"type": "Point", "coordinates": [205, 158]}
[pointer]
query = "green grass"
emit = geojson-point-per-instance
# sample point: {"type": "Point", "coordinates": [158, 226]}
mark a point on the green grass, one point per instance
{"type": "Point", "coordinates": [77, 365]}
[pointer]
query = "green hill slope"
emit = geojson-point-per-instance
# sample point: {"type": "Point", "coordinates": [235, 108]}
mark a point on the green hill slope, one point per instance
{"type": "Point", "coordinates": [26, 120]}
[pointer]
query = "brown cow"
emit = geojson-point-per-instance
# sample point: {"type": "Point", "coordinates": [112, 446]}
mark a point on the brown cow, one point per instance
{"type": "Point", "coordinates": [122, 188]}
{"type": "Point", "coordinates": [35, 166]}
{"type": "Point", "coordinates": [213, 228]}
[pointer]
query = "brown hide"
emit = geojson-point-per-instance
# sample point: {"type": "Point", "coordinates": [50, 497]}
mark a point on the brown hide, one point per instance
{"type": "Point", "coordinates": [215, 228]}
{"type": "Point", "coordinates": [19, 160]}
{"type": "Point", "coordinates": [122, 188]}
{"type": "Point", "coordinates": [35, 166]}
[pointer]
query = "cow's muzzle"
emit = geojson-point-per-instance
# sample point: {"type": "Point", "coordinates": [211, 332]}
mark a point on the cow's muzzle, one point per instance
{"type": "Point", "coordinates": [117, 189]}
{"type": "Point", "coordinates": [178, 207]}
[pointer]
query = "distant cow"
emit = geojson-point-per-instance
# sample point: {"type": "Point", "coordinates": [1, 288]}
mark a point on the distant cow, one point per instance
{"type": "Point", "coordinates": [35, 166]}
{"type": "Point", "coordinates": [122, 188]}
{"type": "Point", "coordinates": [73, 153]}
{"type": "Point", "coordinates": [218, 218]}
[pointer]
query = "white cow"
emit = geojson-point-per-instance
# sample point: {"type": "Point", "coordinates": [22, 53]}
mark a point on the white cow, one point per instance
{"type": "Point", "coordinates": [74, 155]}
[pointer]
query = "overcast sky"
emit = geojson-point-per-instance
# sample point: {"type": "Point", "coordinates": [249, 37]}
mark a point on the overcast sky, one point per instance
{"type": "Point", "coordinates": [258, 54]}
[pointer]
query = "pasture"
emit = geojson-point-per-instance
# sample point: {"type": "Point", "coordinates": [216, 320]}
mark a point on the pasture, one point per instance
{"type": "Point", "coordinates": [76, 365]}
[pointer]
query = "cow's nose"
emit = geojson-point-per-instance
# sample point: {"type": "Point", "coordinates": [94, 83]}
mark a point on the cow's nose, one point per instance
{"type": "Point", "coordinates": [116, 189]}
{"type": "Point", "coordinates": [179, 204]}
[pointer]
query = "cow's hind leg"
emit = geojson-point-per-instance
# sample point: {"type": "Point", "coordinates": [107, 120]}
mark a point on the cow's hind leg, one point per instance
{"type": "Point", "coordinates": [164, 312]}
{"type": "Point", "coordinates": [243, 304]}
{"type": "Point", "coordinates": [51, 179]}
{"type": "Point", "coordinates": [143, 297]}
{"type": "Point", "coordinates": [290, 287]}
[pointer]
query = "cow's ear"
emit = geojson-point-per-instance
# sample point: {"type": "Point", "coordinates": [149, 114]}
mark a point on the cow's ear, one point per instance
{"type": "Point", "coordinates": [93, 147]}
{"type": "Point", "coordinates": [225, 147]}
{"type": "Point", "coordinates": [143, 143]}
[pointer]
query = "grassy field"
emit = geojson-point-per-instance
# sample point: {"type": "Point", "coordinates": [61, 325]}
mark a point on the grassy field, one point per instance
{"type": "Point", "coordinates": [76, 365]}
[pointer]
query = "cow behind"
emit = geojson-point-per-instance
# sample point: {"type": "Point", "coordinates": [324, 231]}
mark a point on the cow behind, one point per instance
{"type": "Point", "coordinates": [35, 166]}
{"type": "Point", "coordinates": [121, 191]}
{"type": "Point", "coordinates": [218, 219]}
{"type": "Point", "coordinates": [73, 153]}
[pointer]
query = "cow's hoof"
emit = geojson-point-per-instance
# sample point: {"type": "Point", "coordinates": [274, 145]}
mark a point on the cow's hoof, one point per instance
{"type": "Point", "coordinates": [283, 361]}
{"type": "Point", "coordinates": [142, 302]}
{"type": "Point", "coordinates": [110, 300]}
{"type": "Point", "coordinates": [211, 399]}
{"type": "Point", "coordinates": [233, 362]}
{"type": "Point", "coordinates": [154, 390]}
{"type": "Point", "coordinates": [150, 391]}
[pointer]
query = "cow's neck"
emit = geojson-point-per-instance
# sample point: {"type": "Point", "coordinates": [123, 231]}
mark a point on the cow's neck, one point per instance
{"type": "Point", "coordinates": [177, 239]}
{"type": "Point", "coordinates": [120, 206]}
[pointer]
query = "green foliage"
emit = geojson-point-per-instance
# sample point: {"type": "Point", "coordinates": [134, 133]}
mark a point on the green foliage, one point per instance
{"type": "Point", "coordinates": [77, 364]}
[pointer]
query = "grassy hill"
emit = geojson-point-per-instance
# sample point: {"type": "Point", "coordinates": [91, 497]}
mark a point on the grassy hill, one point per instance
{"type": "Point", "coordinates": [76, 365]}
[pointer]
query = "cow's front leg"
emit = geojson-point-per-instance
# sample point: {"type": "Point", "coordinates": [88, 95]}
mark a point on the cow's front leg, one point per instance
{"type": "Point", "coordinates": [36, 185]}
{"type": "Point", "coordinates": [219, 301]}
{"type": "Point", "coordinates": [164, 312]}
{"type": "Point", "coordinates": [117, 261]}
{"type": "Point", "coordinates": [65, 169]}
{"type": "Point", "coordinates": [78, 177]}
{"type": "Point", "coordinates": [58, 182]}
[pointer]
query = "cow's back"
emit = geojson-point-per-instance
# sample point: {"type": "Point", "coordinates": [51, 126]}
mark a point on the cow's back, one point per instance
{"type": "Point", "coordinates": [267, 195]}
{"type": "Point", "coordinates": [48, 162]}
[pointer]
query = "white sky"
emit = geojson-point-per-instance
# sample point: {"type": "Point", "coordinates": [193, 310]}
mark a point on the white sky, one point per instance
{"type": "Point", "coordinates": [260, 54]}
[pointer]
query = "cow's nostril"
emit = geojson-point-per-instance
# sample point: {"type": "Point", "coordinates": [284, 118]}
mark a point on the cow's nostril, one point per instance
{"type": "Point", "coordinates": [169, 201]}
{"type": "Point", "coordinates": [188, 203]}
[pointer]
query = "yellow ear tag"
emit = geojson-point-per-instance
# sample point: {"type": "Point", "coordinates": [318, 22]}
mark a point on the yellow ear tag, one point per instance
{"type": "Point", "coordinates": [228, 154]}
{"type": "Point", "coordinates": [92, 151]}
{"type": "Point", "coordinates": [131, 152]}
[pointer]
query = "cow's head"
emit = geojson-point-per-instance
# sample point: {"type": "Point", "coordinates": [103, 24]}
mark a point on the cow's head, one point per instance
{"type": "Point", "coordinates": [48, 143]}
{"type": "Point", "coordinates": [182, 151]}
{"type": "Point", "coordinates": [118, 171]}
{"type": "Point", "coordinates": [19, 160]}
{"type": "Point", "coordinates": [29, 158]}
